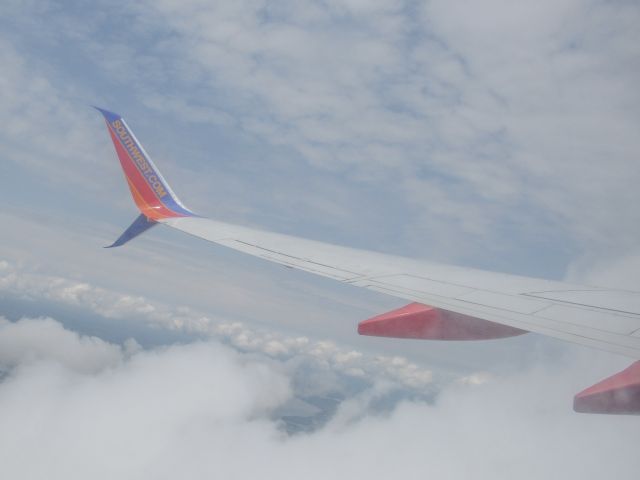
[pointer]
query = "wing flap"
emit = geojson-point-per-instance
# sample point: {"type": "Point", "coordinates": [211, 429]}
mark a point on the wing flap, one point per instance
{"type": "Point", "coordinates": [598, 319]}
{"type": "Point", "coordinates": [614, 300]}
{"type": "Point", "coordinates": [617, 394]}
{"type": "Point", "coordinates": [428, 323]}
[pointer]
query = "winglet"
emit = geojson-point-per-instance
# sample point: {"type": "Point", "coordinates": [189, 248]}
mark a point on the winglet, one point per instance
{"type": "Point", "coordinates": [140, 225]}
{"type": "Point", "coordinates": [150, 191]}
{"type": "Point", "coordinates": [109, 116]}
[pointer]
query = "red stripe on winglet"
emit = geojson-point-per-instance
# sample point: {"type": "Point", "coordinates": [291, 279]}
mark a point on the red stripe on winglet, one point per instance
{"type": "Point", "coordinates": [145, 198]}
{"type": "Point", "coordinates": [422, 321]}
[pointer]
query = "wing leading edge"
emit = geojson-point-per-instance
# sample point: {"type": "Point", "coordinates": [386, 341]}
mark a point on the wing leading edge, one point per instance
{"type": "Point", "coordinates": [596, 317]}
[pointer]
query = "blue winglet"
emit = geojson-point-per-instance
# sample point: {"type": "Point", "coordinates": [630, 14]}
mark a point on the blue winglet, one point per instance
{"type": "Point", "coordinates": [109, 116]}
{"type": "Point", "coordinates": [139, 226]}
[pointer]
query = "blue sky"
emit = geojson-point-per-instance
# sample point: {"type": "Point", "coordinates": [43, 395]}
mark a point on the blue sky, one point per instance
{"type": "Point", "coordinates": [500, 135]}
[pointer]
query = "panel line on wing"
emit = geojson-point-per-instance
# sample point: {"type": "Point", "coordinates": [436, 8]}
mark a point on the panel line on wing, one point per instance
{"type": "Point", "coordinates": [421, 284]}
{"type": "Point", "coordinates": [302, 263]}
{"type": "Point", "coordinates": [585, 305]}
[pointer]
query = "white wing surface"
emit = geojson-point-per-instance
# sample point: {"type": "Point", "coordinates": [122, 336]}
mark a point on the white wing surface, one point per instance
{"type": "Point", "coordinates": [597, 317]}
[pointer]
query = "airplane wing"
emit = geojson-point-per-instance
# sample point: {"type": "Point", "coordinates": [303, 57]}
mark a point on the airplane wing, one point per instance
{"type": "Point", "coordinates": [448, 302]}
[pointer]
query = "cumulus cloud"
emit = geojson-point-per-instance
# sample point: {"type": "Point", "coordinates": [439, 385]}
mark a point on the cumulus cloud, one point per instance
{"type": "Point", "coordinates": [202, 410]}
{"type": "Point", "coordinates": [76, 406]}
{"type": "Point", "coordinates": [245, 337]}
{"type": "Point", "coordinates": [31, 340]}
{"type": "Point", "coordinates": [121, 420]}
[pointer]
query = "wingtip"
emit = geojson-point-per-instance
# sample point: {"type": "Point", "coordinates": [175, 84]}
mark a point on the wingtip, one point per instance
{"type": "Point", "coordinates": [108, 115]}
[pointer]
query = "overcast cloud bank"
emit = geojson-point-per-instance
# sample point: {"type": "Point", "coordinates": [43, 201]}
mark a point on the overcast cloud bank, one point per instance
{"type": "Point", "coordinates": [461, 123]}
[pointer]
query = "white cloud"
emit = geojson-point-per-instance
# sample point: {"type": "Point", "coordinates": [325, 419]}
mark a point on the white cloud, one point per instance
{"type": "Point", "coordinates": [615, 270]}
{"type": "Point", "coordinates": [47, 128]}
{"type": "Point", "coordinates": [202, 410]}
{"type": "Point", "coordinates": [483, 116]}
{"type": "Point", "coordinates": [32, 340]}
{"type": "Point", "coordinates": [558, 79]}
{"type": "Point", "coordinates": [121, 421]}
{"type": "Point", "coordinates": [487, 127]}
{"type": "Point", "coordinates": [110, 304]}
